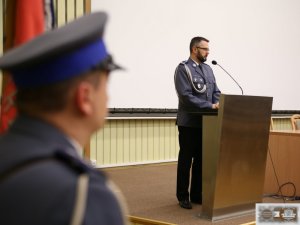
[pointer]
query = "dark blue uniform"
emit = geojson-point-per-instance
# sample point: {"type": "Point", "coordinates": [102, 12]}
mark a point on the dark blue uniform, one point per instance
{"type": "Point", "coordinates": [39, 171]}
{"type": "Point", "coordinates": [196, 89]}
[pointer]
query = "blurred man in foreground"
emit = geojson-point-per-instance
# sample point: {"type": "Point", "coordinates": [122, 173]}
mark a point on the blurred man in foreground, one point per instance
{"type": "Point", "coordinates": [61, 78]}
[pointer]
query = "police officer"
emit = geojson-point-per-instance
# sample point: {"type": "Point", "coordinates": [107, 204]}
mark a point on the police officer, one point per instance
{"type": "Point", "coordinates": [197, 90]}
{"type": "Point", "coordinates": [61, 78]}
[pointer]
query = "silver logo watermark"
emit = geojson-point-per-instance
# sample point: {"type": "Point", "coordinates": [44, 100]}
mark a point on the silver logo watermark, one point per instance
{"type": "Point", "coordinates": [277, 213]}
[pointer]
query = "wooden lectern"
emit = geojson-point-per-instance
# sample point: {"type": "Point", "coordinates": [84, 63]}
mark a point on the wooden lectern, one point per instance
{"type": "Point", "coordinates": [235, 144]}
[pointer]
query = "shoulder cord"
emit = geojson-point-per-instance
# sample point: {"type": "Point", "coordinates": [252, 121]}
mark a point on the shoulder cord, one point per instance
{"type": "Point", "coordinates": [80, 199]}
{"type": "Point", "coordinates": [189, 74]}
{"type": "Point", "coordinates": [175, 80]}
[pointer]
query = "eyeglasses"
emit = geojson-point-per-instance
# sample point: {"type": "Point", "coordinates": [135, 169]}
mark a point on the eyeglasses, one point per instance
{"type": "Point", "coordinates": [205, 49]}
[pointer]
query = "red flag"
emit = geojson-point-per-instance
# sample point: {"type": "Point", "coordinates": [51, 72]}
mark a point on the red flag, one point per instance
{"type": "Point", "coordinates": [29, 22]}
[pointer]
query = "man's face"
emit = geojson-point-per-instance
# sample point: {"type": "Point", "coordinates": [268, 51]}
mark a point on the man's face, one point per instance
{"type": "Point", "coordinates": [202, 51]}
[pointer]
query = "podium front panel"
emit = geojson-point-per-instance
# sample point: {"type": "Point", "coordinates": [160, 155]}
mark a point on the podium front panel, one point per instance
{"type": "Point", "coordinates": [235, 144]}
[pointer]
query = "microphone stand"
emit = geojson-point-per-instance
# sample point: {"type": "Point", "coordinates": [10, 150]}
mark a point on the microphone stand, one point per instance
{"type": "Point", "coordinates": [215, 63]}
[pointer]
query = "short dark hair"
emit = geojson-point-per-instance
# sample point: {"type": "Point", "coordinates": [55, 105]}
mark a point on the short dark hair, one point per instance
{"type": "Point", "coordinates": [51, 98]}
{"type": "Point", "coordinates": [195, 41]}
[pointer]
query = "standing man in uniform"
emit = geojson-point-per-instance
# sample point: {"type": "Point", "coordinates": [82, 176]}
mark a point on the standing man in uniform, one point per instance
{"type": "Point", "coordinates": [61, 79]}
{"type": "Point", "coordinates": [197, 90]}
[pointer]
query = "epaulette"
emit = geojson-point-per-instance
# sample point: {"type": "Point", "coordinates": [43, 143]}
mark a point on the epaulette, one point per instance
{"type": "Point", "coordinates": [71, 161]}
{"type": "Point", "coordinates": [76, 163]}
{"type": "Point", "coordinates": [184, 62]}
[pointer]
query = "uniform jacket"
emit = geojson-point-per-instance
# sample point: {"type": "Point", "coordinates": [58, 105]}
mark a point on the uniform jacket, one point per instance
{"type": "Point", "coordinates": [43, 191]}
{"type": "Point", "coordinates": [195, 92]}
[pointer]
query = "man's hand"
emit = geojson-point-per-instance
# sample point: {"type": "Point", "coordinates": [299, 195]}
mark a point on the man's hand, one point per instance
{"type": "Point", "coordinates": [215, 106]}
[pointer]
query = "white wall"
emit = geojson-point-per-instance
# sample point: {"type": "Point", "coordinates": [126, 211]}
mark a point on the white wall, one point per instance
{"type": "Point", "coordinates": [257, 41]}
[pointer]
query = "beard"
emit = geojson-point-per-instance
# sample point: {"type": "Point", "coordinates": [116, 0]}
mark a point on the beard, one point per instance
{"type": "Point", "coordinates": [201, 58]}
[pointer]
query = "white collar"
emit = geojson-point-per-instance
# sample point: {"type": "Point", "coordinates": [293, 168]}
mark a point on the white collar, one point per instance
{"type": "Point", "coordinates": [195, 62]}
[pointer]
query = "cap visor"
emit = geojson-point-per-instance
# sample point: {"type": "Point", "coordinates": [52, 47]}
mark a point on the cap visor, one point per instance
{"type": "Point", "coordinates": [112, 66]}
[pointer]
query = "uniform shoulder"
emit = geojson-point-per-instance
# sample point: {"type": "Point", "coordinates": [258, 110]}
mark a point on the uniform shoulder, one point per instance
{"type": "Point", "coordinates": [206, 65]}
{"type": "Point", "coordinates": [79, 166]}
{"type": "Point", "coordinates": [183, 62]}
{"type": "Point", "coordinates": [72, 162]}
{"type": "Point", "coordinates": [186, 63]}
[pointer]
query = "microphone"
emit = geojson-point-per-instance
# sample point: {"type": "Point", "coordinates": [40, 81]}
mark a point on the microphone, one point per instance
{"type": "Point", "coordinates": [214, 62]}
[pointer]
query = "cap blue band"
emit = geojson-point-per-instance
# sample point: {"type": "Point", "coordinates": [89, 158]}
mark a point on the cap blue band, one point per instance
{"type": "Point", "coordinates": [61, 68]}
